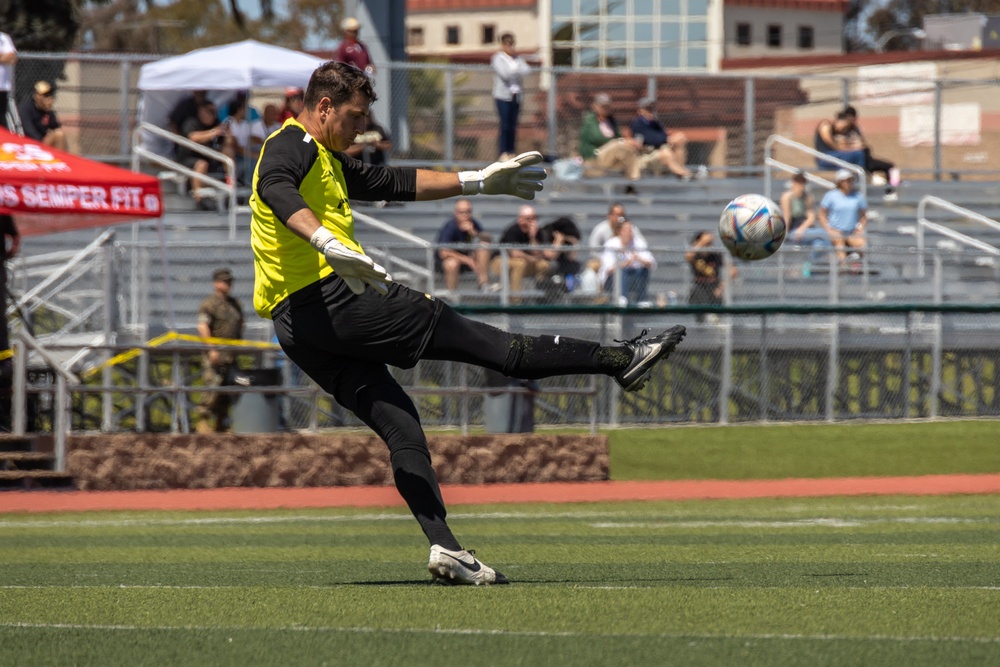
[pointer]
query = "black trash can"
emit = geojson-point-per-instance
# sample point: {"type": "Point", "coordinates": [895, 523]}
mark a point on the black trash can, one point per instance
{"type": "Point", "coordinates": [506, 411]}
{"type": "Point", "coordinates": [257, 411]}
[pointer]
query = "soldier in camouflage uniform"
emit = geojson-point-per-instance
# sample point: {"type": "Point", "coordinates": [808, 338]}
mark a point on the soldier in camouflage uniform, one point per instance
{"type": "Point", "coordinates": [219, 316]}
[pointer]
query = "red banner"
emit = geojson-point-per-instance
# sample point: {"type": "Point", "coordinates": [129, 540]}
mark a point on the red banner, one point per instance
{"type": "Point", "coordinates": [51, 191]}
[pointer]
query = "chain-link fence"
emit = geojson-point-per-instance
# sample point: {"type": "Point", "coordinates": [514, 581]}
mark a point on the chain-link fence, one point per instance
{"type": "Point", "coordinates": [798, 337]}
{"type": "Point", "coordinates": [921, 120]}
{"type": "Point", "coordinates": [749, 364]}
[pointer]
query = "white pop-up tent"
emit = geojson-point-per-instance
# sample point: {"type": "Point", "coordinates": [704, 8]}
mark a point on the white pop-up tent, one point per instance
{"type": "Point", "coordinates": [219, 70]}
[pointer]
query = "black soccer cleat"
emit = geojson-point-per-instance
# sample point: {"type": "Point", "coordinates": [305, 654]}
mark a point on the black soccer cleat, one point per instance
{"type": "Point", "coordinates": [645, 353]}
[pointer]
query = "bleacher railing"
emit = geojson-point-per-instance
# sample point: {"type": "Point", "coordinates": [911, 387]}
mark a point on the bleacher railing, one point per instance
{"type": "Point", "coordinates": [771, 163]}
{"type": "Point", "coordinates": [924, 225]}
{"type": "Point", "coordinates": [227, 187]}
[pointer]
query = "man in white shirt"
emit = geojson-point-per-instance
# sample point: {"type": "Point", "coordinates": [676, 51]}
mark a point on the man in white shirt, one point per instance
{"type": "Point", "coordinates": [509, 70]}
{"type": "Point", "coordinates": [608, 228]}
{"type": "Point", "coordinates": [243, 139]}
{"type": "Point", "coordinates": [8, 56]}
{"type": "Point", "coordinates": [624, 254]}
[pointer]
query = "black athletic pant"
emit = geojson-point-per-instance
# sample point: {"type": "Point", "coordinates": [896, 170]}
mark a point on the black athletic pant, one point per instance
{"type": "Point", "coordinates": [873, 164]}
{"type": "Point", "coordinates": [324, 334]}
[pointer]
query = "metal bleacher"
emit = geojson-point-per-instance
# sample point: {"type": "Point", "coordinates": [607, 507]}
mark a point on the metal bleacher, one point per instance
{"type": "Point", "coordinates": [668, 212]}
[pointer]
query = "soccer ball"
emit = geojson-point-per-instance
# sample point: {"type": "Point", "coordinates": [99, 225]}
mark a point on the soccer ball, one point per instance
{"type": "Point", "coordinates": [752, 227]}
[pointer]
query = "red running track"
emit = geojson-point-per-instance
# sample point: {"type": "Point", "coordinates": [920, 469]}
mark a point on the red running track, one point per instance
{"type": "Point", "coordinates": [566, 492]}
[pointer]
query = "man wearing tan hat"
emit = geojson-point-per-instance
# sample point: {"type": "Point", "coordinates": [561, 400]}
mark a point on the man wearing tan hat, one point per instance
{"type": "Point", "coordinates": [39, 119]}
{"type": "Point", "coordinates": [351, 50]}
{"type": "Point", "coordinates": [219, 316]}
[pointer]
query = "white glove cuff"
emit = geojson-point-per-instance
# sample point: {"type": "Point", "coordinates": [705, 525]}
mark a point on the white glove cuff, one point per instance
{"type": "Point", "coordinates": [320, 238]}
{"type": "Point", "coordinates": [472, 182]}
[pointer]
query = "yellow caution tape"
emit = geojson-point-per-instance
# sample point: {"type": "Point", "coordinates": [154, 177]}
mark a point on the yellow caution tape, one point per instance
{"type": "Point", "coordinates": [172, 336]}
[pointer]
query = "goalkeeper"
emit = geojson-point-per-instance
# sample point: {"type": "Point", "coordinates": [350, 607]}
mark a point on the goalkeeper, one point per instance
{"type": "Point", "coordinates": [339, 316]}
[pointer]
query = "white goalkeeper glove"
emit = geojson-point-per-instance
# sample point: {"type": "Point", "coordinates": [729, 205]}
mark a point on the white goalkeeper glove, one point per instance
{"type": "Point", "coordinates": [355, 269]}
{"type": "Point", "coordinates": [515, 177]}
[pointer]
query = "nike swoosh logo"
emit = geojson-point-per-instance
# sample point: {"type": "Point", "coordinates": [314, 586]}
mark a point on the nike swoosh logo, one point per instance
{"type": "Point", "coordinates": [474, 565]}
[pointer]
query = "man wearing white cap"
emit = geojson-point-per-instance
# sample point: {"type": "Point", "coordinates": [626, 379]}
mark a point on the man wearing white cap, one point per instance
{"type": "Point", "coordinates": [351, 50]}
{"type": "Point", "coordinates": [844, 215]}
{"type": "Point", "coordinates": [39, 119]}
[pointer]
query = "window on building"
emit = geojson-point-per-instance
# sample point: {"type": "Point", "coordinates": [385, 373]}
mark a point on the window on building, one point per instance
{"type": "Point", "coordinates": [806, 37]}
{"type": "Point", "coordinates": [415, 37]}
{"type": "Point", "coordinates": [489, 33]}
{"type": "Point", "coordinates": [774, 36]}
{"type": "Point", "coordinates": [452, 35]}
{"type": "Point", "coordinates": [743, 35]}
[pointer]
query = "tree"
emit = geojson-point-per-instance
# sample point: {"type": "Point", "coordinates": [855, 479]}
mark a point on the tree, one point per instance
{"type": "Point", "coordinates": [42, 25]}
{"type": "Point", "coordinates": [866, 21]}
{"type": "Point", "coordinates": [177, 26]}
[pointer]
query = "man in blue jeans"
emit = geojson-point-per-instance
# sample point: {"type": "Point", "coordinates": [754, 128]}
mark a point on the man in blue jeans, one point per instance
{"type": "Point", "coordinates": [844, 215]}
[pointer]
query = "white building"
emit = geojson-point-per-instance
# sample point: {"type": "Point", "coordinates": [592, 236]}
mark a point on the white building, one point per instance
{"type": "Point", "coordinates": [663, 35]}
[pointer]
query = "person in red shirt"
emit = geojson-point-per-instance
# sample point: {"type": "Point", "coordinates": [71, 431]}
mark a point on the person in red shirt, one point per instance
{"type": "Point", "coordinates": [293, 104]}
{"type": "Point", "coordinates": [352, 51]}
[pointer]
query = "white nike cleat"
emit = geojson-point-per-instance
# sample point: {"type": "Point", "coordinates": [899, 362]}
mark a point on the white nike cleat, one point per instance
{"type": "Point", "coordinates": [461, 568]}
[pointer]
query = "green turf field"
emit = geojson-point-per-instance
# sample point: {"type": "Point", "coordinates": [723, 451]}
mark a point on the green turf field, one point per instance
{"type": "Point", "coordinates": [858, 581]}
{"type": "Point", "coordinates": [776, 451]}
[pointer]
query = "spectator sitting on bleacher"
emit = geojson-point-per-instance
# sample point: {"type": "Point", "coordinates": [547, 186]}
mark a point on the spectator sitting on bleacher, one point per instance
{"type": "Point", "coordinates": [294, 102]}
{"type": "Point", "coordinates": [882, 172]}
{"type": "Point", "coordinates": [832, 139]}
{"type": "Point", "coordinates": [243, 139]}
{"type": "Point", "coordinates": [186, 108]}
{"type": "Point", "coordinates": [271, 119]}
{"type": "Point", "coordinates": [463, 229]}
{"type": "Point", "coordinates": [522, 261]}
{"type": "Point", "coordinates": [601, 142]}
{"type": "Point", "coordinates": [39, 119]}
{"type": "Point", "coordinates": [204, 128]}
{"type": "Point", "coordinates": [608, 228]}
{"type": "Point", "coordinates": [798, 208]}
{"type": "Point", "coordinates": [658, 148]}
{"type": "Point", "coordinates": [626, 254]}
{"type": "Point", "coordinates": [561, 233]}
{"type": "Point", "coordinates": [239, 99]}
{"type": "Point", "coordinates": [844, 215]}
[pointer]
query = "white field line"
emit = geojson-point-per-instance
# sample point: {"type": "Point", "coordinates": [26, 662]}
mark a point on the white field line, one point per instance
{"type": "Point", "coordinates": [790, 523]}
{"type": "Point", "coordinates": [504, 633]}
{"type": "Point", "coordinates": [517, 516]}
{"type": "Point", "coordinates": [629, 587]}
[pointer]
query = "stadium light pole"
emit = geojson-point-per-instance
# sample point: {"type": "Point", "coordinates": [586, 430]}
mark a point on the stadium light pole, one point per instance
{"type": "Point", "coordinates": [919, 33]}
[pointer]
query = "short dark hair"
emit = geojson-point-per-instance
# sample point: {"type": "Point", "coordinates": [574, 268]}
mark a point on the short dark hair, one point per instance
{"type": "Point", "coordinates": [799, 176]}
{"type": "Point", "coordinates": [697, 235]}
{"type": "Point", "coordinates": [507, 37]}
{"type": "Point", "coordinates": [850, 111]}
{"type": "Point", "coordinates": [340, 82]}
